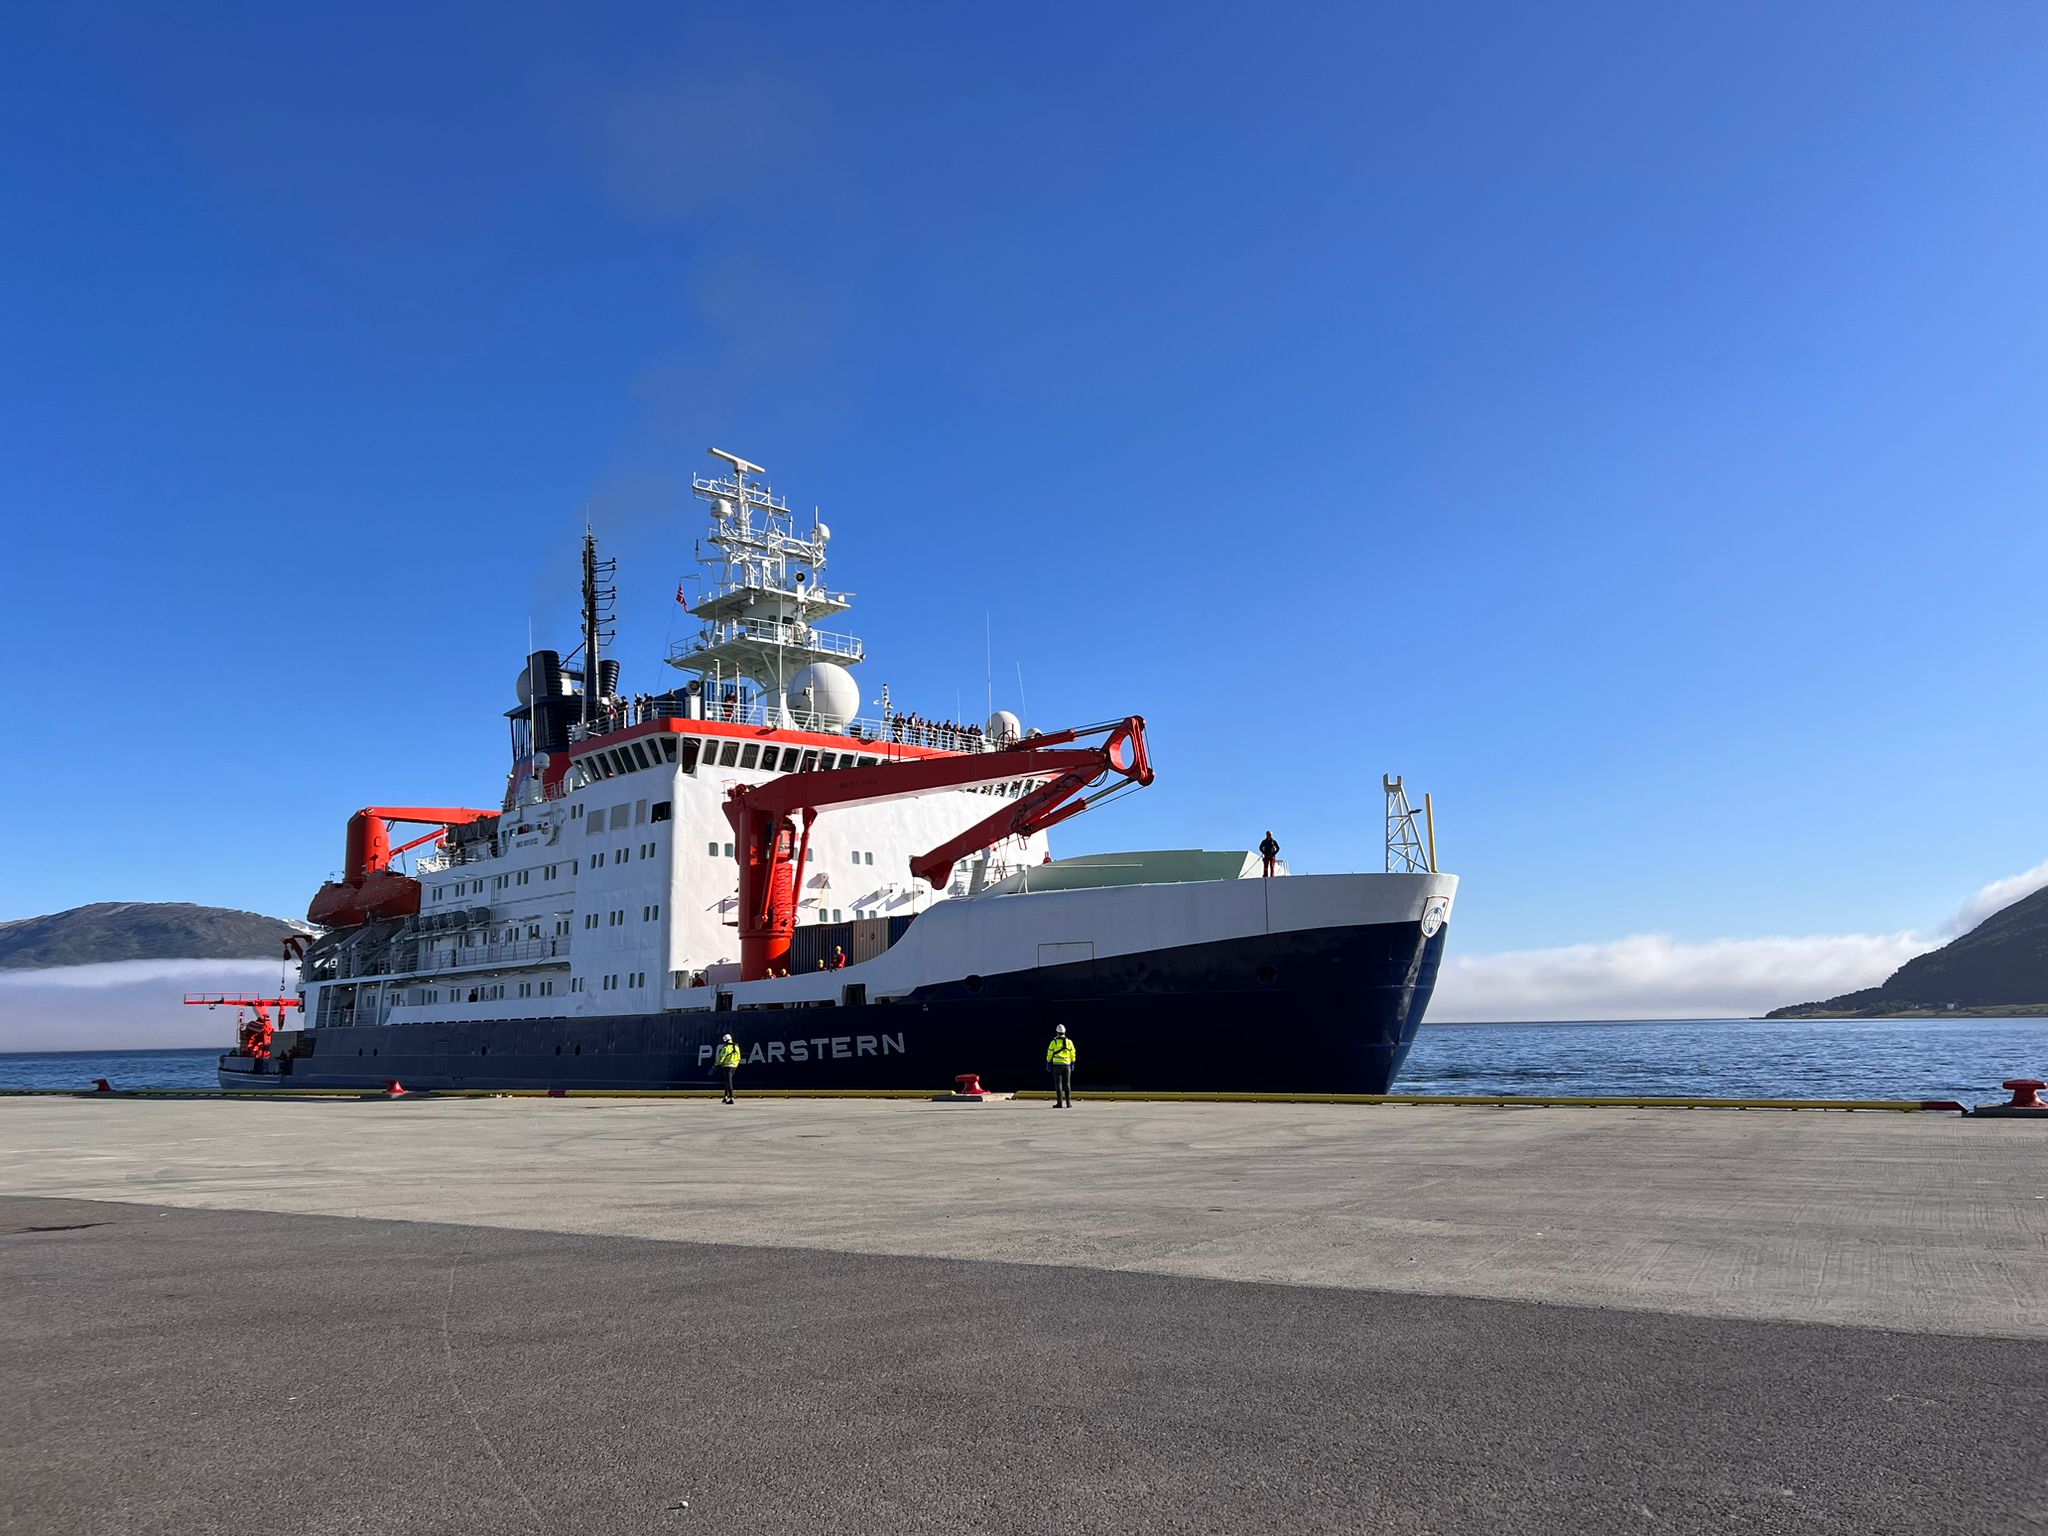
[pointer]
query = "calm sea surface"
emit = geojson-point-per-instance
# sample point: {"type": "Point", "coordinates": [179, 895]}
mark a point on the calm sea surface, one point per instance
{"type": "Point", "coordinates": [1716, 1058]}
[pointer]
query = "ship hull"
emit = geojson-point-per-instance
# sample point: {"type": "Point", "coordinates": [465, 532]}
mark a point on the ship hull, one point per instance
{"type": "Point", "coordinates": [1321, 1010]}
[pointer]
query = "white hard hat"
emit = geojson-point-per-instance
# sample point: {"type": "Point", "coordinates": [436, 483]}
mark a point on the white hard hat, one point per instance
{"type": "Point", "coordinates": [1059, 1029]}
{"type": "Point", "coordinates": [727, 1040]}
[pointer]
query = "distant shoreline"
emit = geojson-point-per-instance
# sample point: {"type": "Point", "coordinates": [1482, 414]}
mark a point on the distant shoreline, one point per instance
{"type": "Point", "coordinates": [2001, 1011]}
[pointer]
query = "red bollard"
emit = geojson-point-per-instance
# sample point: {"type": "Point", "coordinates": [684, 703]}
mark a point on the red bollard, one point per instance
{"type": "Point", "coordinates": [101, 1085]}
{"type": "Point", "coordinates": [2026, 1092]}
{"type": "Point", "coordinates": [395, 1088]}
{"type": "Point", "coordinates": [558, 1093]}
{"type": "Point", "coordinates": [968, 1083]}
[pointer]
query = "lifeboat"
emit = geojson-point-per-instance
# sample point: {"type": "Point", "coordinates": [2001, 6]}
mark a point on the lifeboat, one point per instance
{"type": "Point", "coordinates": [381, 894]}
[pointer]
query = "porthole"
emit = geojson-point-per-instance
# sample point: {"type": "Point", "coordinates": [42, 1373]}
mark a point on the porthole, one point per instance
{"type": "Point", "coordinates": [579, 1048]}
{"type": "Point", "coordinates": [1267, 975]}
{"type": "Point", "coordinates": [483, 1050]}
{"type": "Point", "coordinates": [558, 1050]}
{"type": "Point", "coordinates": [972, 983]}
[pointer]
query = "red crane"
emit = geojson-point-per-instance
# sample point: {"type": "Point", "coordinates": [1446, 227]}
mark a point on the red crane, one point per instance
{"type": "Point", "coordinates": [252, 1034]}
{"type": "Point", "coordinates": [771, 856]}
{"type": "Point", "coordinates": [369, 887]}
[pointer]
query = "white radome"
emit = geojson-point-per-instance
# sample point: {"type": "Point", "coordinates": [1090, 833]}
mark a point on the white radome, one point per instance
{"type": "Point", "coordinates": [824, 695]}
{"type": "Point", "coordinates": [1004, 726]}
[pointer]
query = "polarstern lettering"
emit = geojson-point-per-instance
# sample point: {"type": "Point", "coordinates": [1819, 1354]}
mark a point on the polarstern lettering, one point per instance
{"type": "Point", "coordinates": [821, 1048]}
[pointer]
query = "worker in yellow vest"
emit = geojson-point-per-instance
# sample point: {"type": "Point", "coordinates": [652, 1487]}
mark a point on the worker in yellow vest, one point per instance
{"type": "Point", "coordinates": [727, 1061]}
{"type": "Point", "coordinates": [1059, 1060]}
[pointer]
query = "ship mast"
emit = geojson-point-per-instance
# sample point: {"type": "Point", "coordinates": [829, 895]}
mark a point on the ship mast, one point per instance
{"type": "Point", "coordinates": [597, 607]}
{"type": "Point", "coordinates": [766, 594]}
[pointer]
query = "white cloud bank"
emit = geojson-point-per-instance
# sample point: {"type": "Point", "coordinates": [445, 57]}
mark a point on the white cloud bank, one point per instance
{"type": "Point", "coordinates": [129, 1005]}
{"type": "Point", "coordinates": [1654, 976]}
{"type": "Point", "coordinates": [1998, 894]}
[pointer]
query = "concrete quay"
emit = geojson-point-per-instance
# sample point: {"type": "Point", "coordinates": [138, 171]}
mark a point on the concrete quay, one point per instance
{"type": "Point", "coordinates": [598, 1315]}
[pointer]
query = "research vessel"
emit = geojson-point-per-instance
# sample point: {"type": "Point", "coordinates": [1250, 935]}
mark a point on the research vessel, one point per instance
{"type": "Point", "coordinates": [862, 896]}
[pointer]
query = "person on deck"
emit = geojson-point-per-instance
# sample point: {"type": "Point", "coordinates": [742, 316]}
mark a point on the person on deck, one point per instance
{"type": "Point", "coordinates": [727, 1061]}
{"type": "Point", "coordinates": [1269, 850]}
{"type": "Point", "coordinates": [1059, 1060]}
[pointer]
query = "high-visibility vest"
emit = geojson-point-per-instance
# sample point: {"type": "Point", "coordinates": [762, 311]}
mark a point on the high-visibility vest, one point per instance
{"type": "Point", "coordinates": [728, 1055]}
{"type": "Point", "coordinates": [1061, 1052]}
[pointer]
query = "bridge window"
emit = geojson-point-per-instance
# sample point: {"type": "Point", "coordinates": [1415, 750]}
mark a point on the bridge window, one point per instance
{"type": "Point", "coordinates": [729, 755]}
{"type": "Point", "coordinates": [661, 811]}
{"type": "Point", "coordinates": [752, 755]}
{"type": "Point", "coordinates": [689, 754]}
{"type": "Point", "coordinates": [668, 748]}
{"type": "Point", "coordinates": [810, 761]}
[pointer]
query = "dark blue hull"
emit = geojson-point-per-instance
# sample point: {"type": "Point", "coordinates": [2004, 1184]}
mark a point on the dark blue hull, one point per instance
{"type": "Point", "coordinates": [1330, 1010]}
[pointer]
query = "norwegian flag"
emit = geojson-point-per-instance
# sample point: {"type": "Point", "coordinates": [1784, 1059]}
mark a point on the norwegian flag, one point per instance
{"type": "Point", "coordinates": [680, 597]}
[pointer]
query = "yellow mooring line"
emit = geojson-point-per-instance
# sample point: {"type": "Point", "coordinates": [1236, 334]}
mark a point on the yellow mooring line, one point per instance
{"type": "Point", "coordinates": [1473, 1100]}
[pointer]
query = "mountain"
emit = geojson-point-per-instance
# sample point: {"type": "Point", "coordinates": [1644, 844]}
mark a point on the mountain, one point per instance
{"type": "Point", "coordinates": [140, 930]}
{"type": "Point", "coordinates": [2001, 966]}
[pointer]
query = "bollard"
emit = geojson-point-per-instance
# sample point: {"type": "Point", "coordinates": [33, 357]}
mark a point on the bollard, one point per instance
{"type": "Point", "coordinates": [968, 1083]}
{"type": "Point", "coordinates": [558, 1093]}
{"type": "Point", "coordinates": [101, 1085]}
{"type": "Point", "coordinates": [2025, 1103]}
{"type": "Point", "coordinates": [395, 1088]}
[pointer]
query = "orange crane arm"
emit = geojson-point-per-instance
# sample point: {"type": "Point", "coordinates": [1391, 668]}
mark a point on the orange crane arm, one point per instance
{"type": "Point", "coordinates": [771, 865]}
{"type": "Point", "coordinates": [369, 833]}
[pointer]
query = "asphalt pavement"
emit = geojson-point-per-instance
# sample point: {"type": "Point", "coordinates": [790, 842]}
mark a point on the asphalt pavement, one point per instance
{"type": "Point", "coordinates": [175, 1369]}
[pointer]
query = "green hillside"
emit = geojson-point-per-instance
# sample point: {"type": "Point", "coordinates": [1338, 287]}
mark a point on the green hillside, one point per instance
{"type": "Point", "coordinates": [139, 930]}
{"type": "Point", "coordinates": [2000, 965]}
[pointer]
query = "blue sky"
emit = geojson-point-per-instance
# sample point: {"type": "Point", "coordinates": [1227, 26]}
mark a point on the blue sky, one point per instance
{"type": "Point", "coordinates": [1626, 421]}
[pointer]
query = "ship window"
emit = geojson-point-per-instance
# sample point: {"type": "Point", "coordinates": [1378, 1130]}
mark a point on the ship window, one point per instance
{"type": "Point", "coordinates": [621, 814]}
{"type": "Point", "coordinates": [661, 810]}
{"type": "Point", "coordinates": [828, 760]}
{"type": "Point", "coordinates": [640, 755]}
{"type": "Point", "coordinates": [728, 850]}
{"type": "Point", "coordinates": [668, 748]}
{"type": "Point", "coordinates": [752, 755]}
{"type": "Point", "coordinates": [597, 861]}
{"type": "Point", "coordinates": [639, 813]}
{"type": "Point", "coordinates": [711, 849]}
{"type": "Point", "coordinates": [689, 757]}
{"type": "Point", "coordinates": [576, 810]}
{"type": "Point", "coordinates": [790, 758]}
{"type": "Point", "coordinates": [810, 761]}
{"type": "Point", "coordinates": [593, 826]}
{"type": "Point", "coordinates": [547, 989]}
{"type": "Point", "coordinates": [729, 755]}
{"type": "Point", "coordinates": [856, 855]}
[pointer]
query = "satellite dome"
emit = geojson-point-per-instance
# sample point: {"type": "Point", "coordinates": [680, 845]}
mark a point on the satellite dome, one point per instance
{"type": "Point", "coordinates": [824, 696]}
{"type": "Point", "coordinates": [822, 533]}
{"type": "Point", "coordinates": [1004, 726]}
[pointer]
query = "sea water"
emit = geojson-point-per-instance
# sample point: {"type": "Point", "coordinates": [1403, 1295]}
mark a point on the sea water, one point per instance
{"type": "Point", "coordinates": [1963, 1059]}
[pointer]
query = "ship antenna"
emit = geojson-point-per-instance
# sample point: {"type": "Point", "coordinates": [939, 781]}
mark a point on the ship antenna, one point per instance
{"type": "Point", "coordinates": [597, 608]}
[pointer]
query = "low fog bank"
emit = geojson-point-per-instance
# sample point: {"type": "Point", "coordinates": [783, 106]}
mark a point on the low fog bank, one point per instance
{"type": "Point", "coordinates": [128, 1005]}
